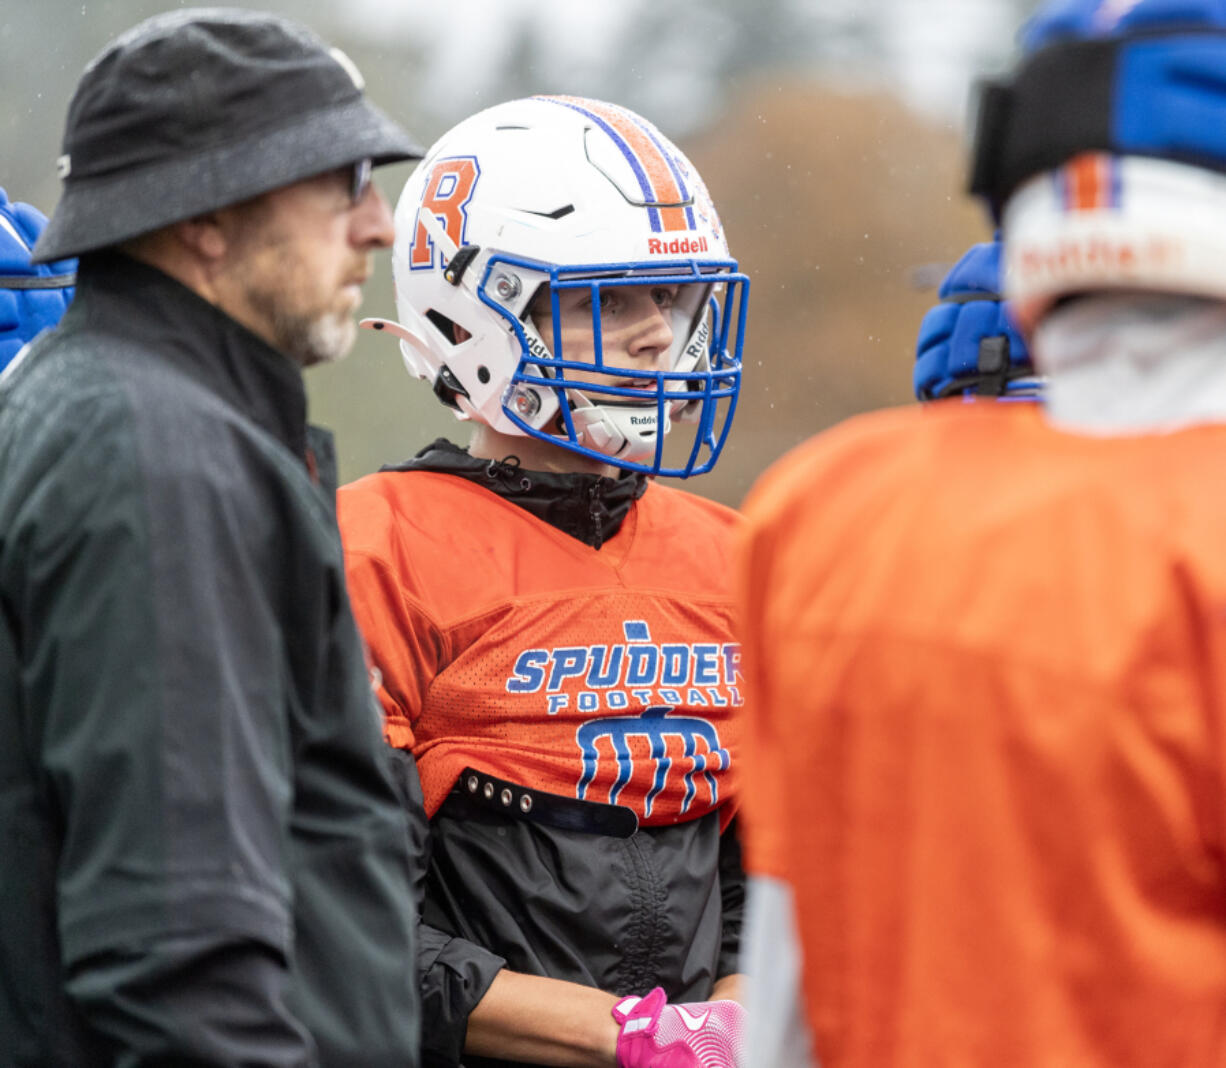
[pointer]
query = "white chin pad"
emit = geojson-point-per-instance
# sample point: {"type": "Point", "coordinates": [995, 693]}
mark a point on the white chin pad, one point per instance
{"type": "Point", "coordinates": [624, 432]}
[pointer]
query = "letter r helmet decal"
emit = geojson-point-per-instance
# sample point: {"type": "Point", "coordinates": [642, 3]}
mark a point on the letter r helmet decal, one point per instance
{"type": "Point", "coordinates": [449, 188]}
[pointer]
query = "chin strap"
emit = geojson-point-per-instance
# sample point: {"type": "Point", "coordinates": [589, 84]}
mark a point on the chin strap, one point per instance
{"type": "Point", "coordinates": [456, 258]}
{"type": "Point", "coordinates": [619, 431]}
{"type": "Point", "coordinates": [437, 233]}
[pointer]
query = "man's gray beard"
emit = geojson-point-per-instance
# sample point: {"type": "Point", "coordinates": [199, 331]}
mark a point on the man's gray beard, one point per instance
{"type": "Point", "coordinates": [324, 339]}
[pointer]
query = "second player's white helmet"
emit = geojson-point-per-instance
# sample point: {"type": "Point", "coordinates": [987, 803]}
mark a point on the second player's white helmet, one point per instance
{"type": "Point", "coordinates": [546, 195]}
{"type": "Point", "coordinates": [1104, 154]}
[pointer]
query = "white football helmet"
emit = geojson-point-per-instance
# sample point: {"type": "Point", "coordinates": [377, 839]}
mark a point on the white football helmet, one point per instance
{"type": "Point", "coordinates": [546, 195]}
{"type": "Point", "coordinates": [1145, 224]}
{"type": "Point", "coordinates": [1104, 155]}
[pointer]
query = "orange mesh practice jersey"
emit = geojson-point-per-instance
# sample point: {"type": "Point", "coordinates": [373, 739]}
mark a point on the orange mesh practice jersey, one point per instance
{"type": "Point", "coordinates": [500, 642]}
{"type": "Point", "coordinates": [987, 666]}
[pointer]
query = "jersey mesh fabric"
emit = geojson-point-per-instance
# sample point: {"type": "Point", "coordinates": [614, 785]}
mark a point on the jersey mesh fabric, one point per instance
{"type": "Point", "coordinates": [1000, 694]}
{"type": "Point", "coordinates": [503, 644]}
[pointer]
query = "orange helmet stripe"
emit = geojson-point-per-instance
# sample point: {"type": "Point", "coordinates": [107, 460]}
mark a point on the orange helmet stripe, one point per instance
{"type": "Point", "coordinates": [663, 188]}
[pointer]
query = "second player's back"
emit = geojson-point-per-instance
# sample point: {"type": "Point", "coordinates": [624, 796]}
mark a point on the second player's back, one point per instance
{"type": "Point", "coordinates": [1019, 659]}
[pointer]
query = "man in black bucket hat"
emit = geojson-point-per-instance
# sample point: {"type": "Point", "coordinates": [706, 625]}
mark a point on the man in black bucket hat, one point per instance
{"type": "Point", "coordinates": [205, 855]}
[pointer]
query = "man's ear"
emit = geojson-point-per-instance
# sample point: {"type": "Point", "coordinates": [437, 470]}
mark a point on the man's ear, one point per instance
{"type": "Point", "coordinates": [204, 235]}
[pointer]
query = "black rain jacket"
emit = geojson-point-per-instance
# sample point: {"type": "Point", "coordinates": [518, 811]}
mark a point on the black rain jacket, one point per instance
{"type": "Point", "coordinates": [205, 858]}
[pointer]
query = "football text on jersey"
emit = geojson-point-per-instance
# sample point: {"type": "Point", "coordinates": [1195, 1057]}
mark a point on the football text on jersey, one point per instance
{"type": "Point", "coordinates": [637, 673]}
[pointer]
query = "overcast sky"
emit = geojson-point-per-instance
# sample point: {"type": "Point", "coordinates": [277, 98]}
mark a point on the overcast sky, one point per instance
{"type": "Point", "coordinates": [470, 35]}
{"type": "Point", "coordinates": [669, 59]}
{"type": "Point", "coordinates": [929, 51]}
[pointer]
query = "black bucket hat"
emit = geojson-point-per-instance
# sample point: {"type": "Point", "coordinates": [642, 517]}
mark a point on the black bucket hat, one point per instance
{"type": "Point", "coordinates": [192, 110]}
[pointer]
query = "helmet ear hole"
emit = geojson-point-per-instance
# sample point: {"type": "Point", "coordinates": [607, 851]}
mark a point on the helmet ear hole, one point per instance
{"type": "Point", "coordinates": [453, 333]}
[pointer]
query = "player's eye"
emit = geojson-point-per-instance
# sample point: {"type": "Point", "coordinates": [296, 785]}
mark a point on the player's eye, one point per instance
{"type": "Point", "coordinates": [664, 296]}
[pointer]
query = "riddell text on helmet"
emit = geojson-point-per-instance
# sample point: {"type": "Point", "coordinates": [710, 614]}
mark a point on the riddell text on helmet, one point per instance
{"type": "Point", "coordinates": [678, 245]}
{"type": "Point", "coordinates": [1097, 253]}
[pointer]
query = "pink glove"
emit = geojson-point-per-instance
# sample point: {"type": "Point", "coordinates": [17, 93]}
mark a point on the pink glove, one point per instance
{"type": "Point", "coordinates": [700, 1034]}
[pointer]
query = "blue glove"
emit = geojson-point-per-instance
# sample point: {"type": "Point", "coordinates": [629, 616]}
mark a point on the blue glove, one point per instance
{"type": "Point", "coordinates": [31, 298]}
{"type": "Point", "coordinates": [967, 344]}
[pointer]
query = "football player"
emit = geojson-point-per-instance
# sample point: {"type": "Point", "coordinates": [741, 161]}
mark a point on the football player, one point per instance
{"type": "Point", "coordinates": [985, 643]}
{"type": "Point", "coordinates": [549, 627]}
{"type": "Point", "coordinates": [32, 298]}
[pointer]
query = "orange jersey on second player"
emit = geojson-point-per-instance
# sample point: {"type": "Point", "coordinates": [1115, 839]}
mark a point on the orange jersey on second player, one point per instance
{"type": "Point", "coordinates": [987, 663]}
{"type": "Point", "coordinates": [503, 643]}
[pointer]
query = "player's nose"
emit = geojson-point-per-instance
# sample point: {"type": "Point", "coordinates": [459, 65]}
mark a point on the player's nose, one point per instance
{"type": "Point", "coordinates": [652, 335]}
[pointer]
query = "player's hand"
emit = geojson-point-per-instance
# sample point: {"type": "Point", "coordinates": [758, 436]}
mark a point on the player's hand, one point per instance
{"type": "Point", "coordinates": [698, 1034]}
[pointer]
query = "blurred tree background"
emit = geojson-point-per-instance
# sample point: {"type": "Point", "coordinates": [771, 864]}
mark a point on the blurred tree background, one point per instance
{"type": "Point", "coordinates": [831, 134]}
